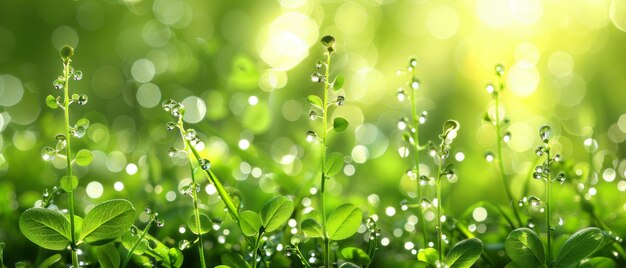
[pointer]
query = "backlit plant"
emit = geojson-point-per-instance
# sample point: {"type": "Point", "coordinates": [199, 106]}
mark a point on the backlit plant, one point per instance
{"type": "Point", "coordinates": [51, 228]}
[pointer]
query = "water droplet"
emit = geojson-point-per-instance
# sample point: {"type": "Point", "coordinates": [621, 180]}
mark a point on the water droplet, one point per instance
{"type": "Point", "coordinates": [423, 117]}
{"type": "Point", "coordinates": [507, 137]}
{"type": "Point", "coordinates": [560, 178]}
{"type": "Point", "coordinates": [499, 70]}
{"type": "Point", "coordinates": [545, 133]}
{"type": "Point", "coordinates": [411, 174]}
{"type": "Point", "coordinates": [445, 154]}
{"type": "Point", "coordinates": [77, 75]}
{"type": "Point", "coordinates": [48, 154]}
{"type": "Point", "coordinates": [172, 152]}
{"type": "Point", "coordinates": [546, 171]}
{"type": "Point", "coordinates": [152, 244]}
{"type": "Point", "coordinates": [148, 210]}
{"type": "Point", "coordinates": [317, 77]}
{"type": "Point", "coordinates": [561, 221]}
{"type": "Point", "coordinates": [340, 100]}
{"type": "Point", "coordinates": [61, 142]}
{"type": "Point", "coordinates": [184, 244]}
{"type": "Point", "coordinates": [402, 123]}
{"type": "Point", "coordinates": [177, 110]}
{"type": "Point", "coordinates": [78, 131]}
{"type": "Point", "coordinates": [412, 62]}
{"type": "Point", "coordinates": [489, 156]}
{"type": "Point", "coordinates": [423, 180]}
{"type": "Point", "coordinates": [311, 136]}
{"type": "Point", "coordinates": [401, 96]}
{"type": "Point", "coordinates": [539, 151]}
{"type": "Point", "coordinates": [520, 203]}
{"type": "Point", "coordinates": [591, 145]}
{"type": "Point", "coordinates": [432, 151]}
{"type": "Point", "coordinates": [133, 230]}
{"type": "Point", "coordinates": [534, 201]}
{"type": "Point", "coordinates": [490, 88]}
{"type": "Point", "coordinates": [537, 175]}
{"type": "Point", "coordinates": [425, 202]}
{"type": "Point", "coordinates": [46, 193]}
{"type": "Point", "coordinates": [58, 83]}
{"type": "Point", "coordinates": [170, 126]}
{"type": "Point", "coordinates": [168, 104]}
{"type": "Point", "coordinates": [205, 164]}
{"type": "Point", "coordinates": [557, 158]}
{"type": "Point", "coordinates": [82, 99]}
{"type": "Point", "coordinates": [415, 83]}
{"type": "Point", "coordinates": [451, 176]}
{"type": "Point", "coordinates": [328, 41]}
{"type": "Point", "coordinates": [530, 223]}
{"type": "Point", "coordinates": [319, 64]}
{"type": "Point", "coordinates": [313, 115]}
{"type": "Point", "coordinates": [190, 134]}
{"type": "Point", "coordinates": [404, 205]}
{"type": "Point", "coordinates": [159, 222]}
{"type": "Point", "coordinates": [216, 226]}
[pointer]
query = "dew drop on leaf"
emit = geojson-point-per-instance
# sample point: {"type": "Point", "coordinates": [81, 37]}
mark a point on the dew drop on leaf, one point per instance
{"type": "Point", "coordinates": [77, 75]}
{"type": "Point", "coordinates": [48, 154]}
{"type": "Point", "coordinates": [184, 244]}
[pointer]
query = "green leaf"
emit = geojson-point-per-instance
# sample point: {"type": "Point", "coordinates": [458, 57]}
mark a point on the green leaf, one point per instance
{"type": "Point", "coordinates": [312, 228]}
{"type": "Point", "coordinates": [465, 253]}
{"type": "Point", "coordinates": [578, 246]}
{"type": "Point", "coordinates": [45, 227]}
{"type": "Point", "coordinates": [315, 101]}
{"type": "Point", "coordinates": [334, 164]}
{"type": "Point", "coordinates": [234, 260]}
{"type": "Point", "coordinates": [176, 257]}
{"type": "Point", "coordinates": [205, 224]}
{"type": "Point", "coordinates": [349, 265]}
{"type": "Point", "coordinates": [128, 240]}
{"type": "Point", "coordinates": [50, 261]}
{"type": "Point", "coordinates": [338, 84]}
{"type": "Point", "coordinates": [340, 124]}
{"type": "Point", "coordinates": [276, 212]}
{"type": "Point", "coordinates": [108, 256]}
{"type": "Point", "coordinates": [598, 262]}
{"type": "Point", "coordinates": [69, 183]}
{"type": "Point", "coordinates": [250, 222]}
{"type": "Point", "coordinates": [524, 248]}
{"type": "Point", "coordinates": [51, 102]}
{"type": "Point", "coordinates": [2, 245]}
{"type": "Point", "coordinates": [84, 157]}
{"type": "Point", "coordinates": [428, 255]}
{"type": "Point", "coordinates": [343, 222]}
{"type": "Point", "coordinates": [356, 255]}
{"type": "Point", "coordinates": [83, 122]}
{"type": "Point", "coordinates": [107, 221]}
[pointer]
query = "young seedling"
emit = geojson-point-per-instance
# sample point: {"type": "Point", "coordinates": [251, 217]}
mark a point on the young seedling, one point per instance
{"type": "Point", "coordinates": [51, 229]}
{"type": "Point", "coordinates": [344, 221]}
{"type": "Point", "coordinates": [523, 245]}
{"type": "Point", "coordinates": [410, 129]}
{"type": "Point", "coordinates": [138, 243]}
{"type": "Point", "coordinates": [502, 135]}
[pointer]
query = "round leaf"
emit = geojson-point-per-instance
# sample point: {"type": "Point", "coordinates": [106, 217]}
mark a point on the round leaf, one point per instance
{"type": "Point", "coordinates": [428, 255]}
{"type": "Point", "coordinates": [524, 248]}
{"type": "Point", "coordinates": [107, 221]}
{"type": "Point", "coordinates": [108, 256]}
{"type": "Point", "coordinates": [250, 222]}
{"type": "Point", "coordinates": [312, 228]}
{"type": "Point", "coordinates": [340, 124]}
{"type": "Point", "coordinates": [356, 255]}
{"type": "Point", "coordinates": [334, 164]}
{"type": "Point", "coordinates": [276, 212]}
{"type": "Point", "coordinates": [343, 222]}
{"type": "Point", "coordinates": [205, 224]}
{"type": "Point", "coordinates": [45, 227]}
{"type": "Point", "coordinates": [69, 183]}
{"type": "Point", "coordinates": [338, 84]}
{"type": "Point", "coordinates": [51, 102]}
{"type": "Point", "coordinates": [465, 253]}
{"type": "Point", "coordinates": [84, 157]}
{"type": "Point", "coordinates": [315, 101]}
{"type": "Point", "coordinates": [578, 246]}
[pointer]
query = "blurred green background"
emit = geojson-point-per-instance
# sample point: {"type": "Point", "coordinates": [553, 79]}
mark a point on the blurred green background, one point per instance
{"type": "Point", "coordinates": [242, 70]}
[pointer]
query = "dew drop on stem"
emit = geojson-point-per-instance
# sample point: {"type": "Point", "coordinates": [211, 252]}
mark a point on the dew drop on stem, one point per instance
{"type": "Point", "coordinates": [313, 115]}
{"type": "Point", "coordinates": [133, 230]}
{"type": "Point", "coordinates": [184, 244]}
{"type": "Point", "coordinates": [507, 137]}
{"type": "Point", "coordinates": [170, 126]}
{"type": "Point", "coordinates": [172, 152]}
{"type": "Point", "coordinates": [168, 104]}
{"type": "Point", "coordinates": [499, 70]}
{"type": "Point", "coordinates": [148, 210]}
{"type": "Point", "coordinates": [545, 133]}
{"type": "Point", "coordinates": [311, 136]}
{"type": "Point", "coordinates": [46, 193]}
{"type": "Point", "coordinates": [205, 164]}
{"type": "Point", "coordinates": [48, 154]}
{"type": "Point", "coordinates": [422, 118]}
{"type": "Point", "coordinates": [340, 100]}
{"type": "Point", "coordinates": [77, 75]}
{"type": "Point", "coordinates": [159, 222]}
{"type": "Point", "coordinates": [490, 88]}
{"type": "Point", "coordinates": [401, 96]}
{"type": "Point", "coordinates": [82, 99]}
{"type": "Point", "coordinates": [412, 62]}
{"type": "Point", "coordinates": [539, 151]}
{"type": "Point", "coordinates": [58, 83]}
{"type": "Point", "coordinates": [415, 83]}
{"type": "Point", "coordinates": [489, 156]}
{"type": "Point", "coordinates": [530, 223]}
{"type": "Point", "coordinates": [190, 134]}
{"type": "Point", "coordinates": [317, 77]}
{"type": "Point", "coordinates": [402, 123]}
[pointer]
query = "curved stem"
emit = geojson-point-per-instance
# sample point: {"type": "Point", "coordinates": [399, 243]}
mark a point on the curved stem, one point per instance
{"type": "Point", "coordinates": [68, 152]}
{"type": "Point", "coordinates": [323, 177]}
{"type": "Point", "coordinates": [420, 215]}
{"type": "Point", "coordinates": [256, 248]}
{"type": "Point", "coordinates": [439, 205]}
{"type": "Point", "coordinates": [132, 249]}
{"type": "Point", "coordinates": [548, 223]}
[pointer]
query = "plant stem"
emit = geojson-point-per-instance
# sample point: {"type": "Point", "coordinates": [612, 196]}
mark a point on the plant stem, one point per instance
{"type": "Point", "coordinates": [68, 152]}
{"type": "Point", "coordinates": [439, 204]}
{"type": "Point", "coordinates": [505, 180]}
{"type": "Point", "coordinates": [132, 249]}
{"type": "Point", "coordinates": [256, 248]}
{"type": "Point", "coordinates": [548, 224]}
{"type": "Point", "coordinates": [420, 215]}
{"type": "Point", "coordinates": [301, 257]}
{"type": "Point", "coordinates": [323, 177]}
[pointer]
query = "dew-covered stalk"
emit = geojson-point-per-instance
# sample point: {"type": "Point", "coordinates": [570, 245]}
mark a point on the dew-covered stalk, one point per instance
{"type": "Point", "coordinates": [495, 93]}
{"type": "Point", "coordinates": [324, 133]}
{"type": "Point", "coordinates": [439, 205]}
{"type": "Point", "coordinates": [134, 246]}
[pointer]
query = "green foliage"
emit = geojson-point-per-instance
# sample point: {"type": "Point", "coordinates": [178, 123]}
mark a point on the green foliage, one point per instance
{"type": "Point", "coordinates": [524, 247]}
{"type": "Point", "coordinates": [312, 228]}
{"type": "Point", "coordinates": [356, 255]}
{"type": "Point", "coordinates": [340, 124]}
{"type": "Point", "coordinates": [50, 261]}
{"type": "Point", "coordinates": [343, 222]}
{"type": "Point", "coordinates": [250, 222]}
{"type": "Point", "coordinates": [578, 246]}
{"type": "Point", "coordinates": [598, 262]}
{"type": "Point", "coordinates": [108, 256]}
{"type": "Point", "coordinates": [234, 260]}
{"type": "Point", "coordinates": [428, 255]}
{"type": "Point", "coordinates": [107, 221]}
{"type": "Point", "coordinates": [68, 183]}
{"type": "Point", "coordinates": [276, 212]}
{"type": "Point", "coordinates": [51, 102]}
{"type": "Point", "coordinates": [465, 253]}
{"type": "Point", "coordinates": [45, 227]}
{"type": "Point", "coordinates": [84, 157]}
{"type": "Point", "coordinates": [205, 224]}
{"type": "Point", "coordinates": [315, 101]}
{"type": "Point", "coordinates": [334, 164]}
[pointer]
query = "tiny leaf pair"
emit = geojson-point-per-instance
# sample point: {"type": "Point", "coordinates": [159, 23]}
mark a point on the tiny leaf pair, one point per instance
{"type": "Point", "coordinates": [273, 214]}
{"type": "Point", "coordinates": [51, 230]}
{"type": "Point", "coordinates": [342, 223]}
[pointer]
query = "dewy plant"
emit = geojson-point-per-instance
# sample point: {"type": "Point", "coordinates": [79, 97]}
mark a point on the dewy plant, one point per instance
{"type": "Point", "coordinates": [46, 225]}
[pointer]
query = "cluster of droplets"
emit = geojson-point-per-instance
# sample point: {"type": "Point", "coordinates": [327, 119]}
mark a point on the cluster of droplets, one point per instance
{"type": "Point", "coordinates": [175, 108]}
{"type": "Point", "coordinates": [543, 171]}
{"type": "Point", "coordinates": [154, 216]}
{"type": "Point", "coordinates": [80, 128]}
{"type": "Point", "coordinates": [373, 230]}
{"type": "Point", "coordinates": [76, 75]}
{"type": "Point", "coordinates": [189, 188]}
{"type": "Point", "coordinates": [47, 198]}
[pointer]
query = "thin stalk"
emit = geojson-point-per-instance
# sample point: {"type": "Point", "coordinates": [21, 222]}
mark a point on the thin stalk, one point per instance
{"type": "Point", "coordinates": [68, 152]}
{"type": "Point", "coordinates": [420, 215]}
{"type": "Point", "coordinates": [548, 223]}
{"type": "Point", "coordinates": [439, 205]}
{"type": "Point", "coordinates": [194, 195]}
{"type": "Point", "coordinates": [302, 258]}
{"type": "Point", "coordinates": [323, 177]}
{"type": "Point", "coordinates": [132, 249]}
{"type": "Point", "coordinates": [256, 248]}
{"type": "Point", "coordinates": [505, 180]}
